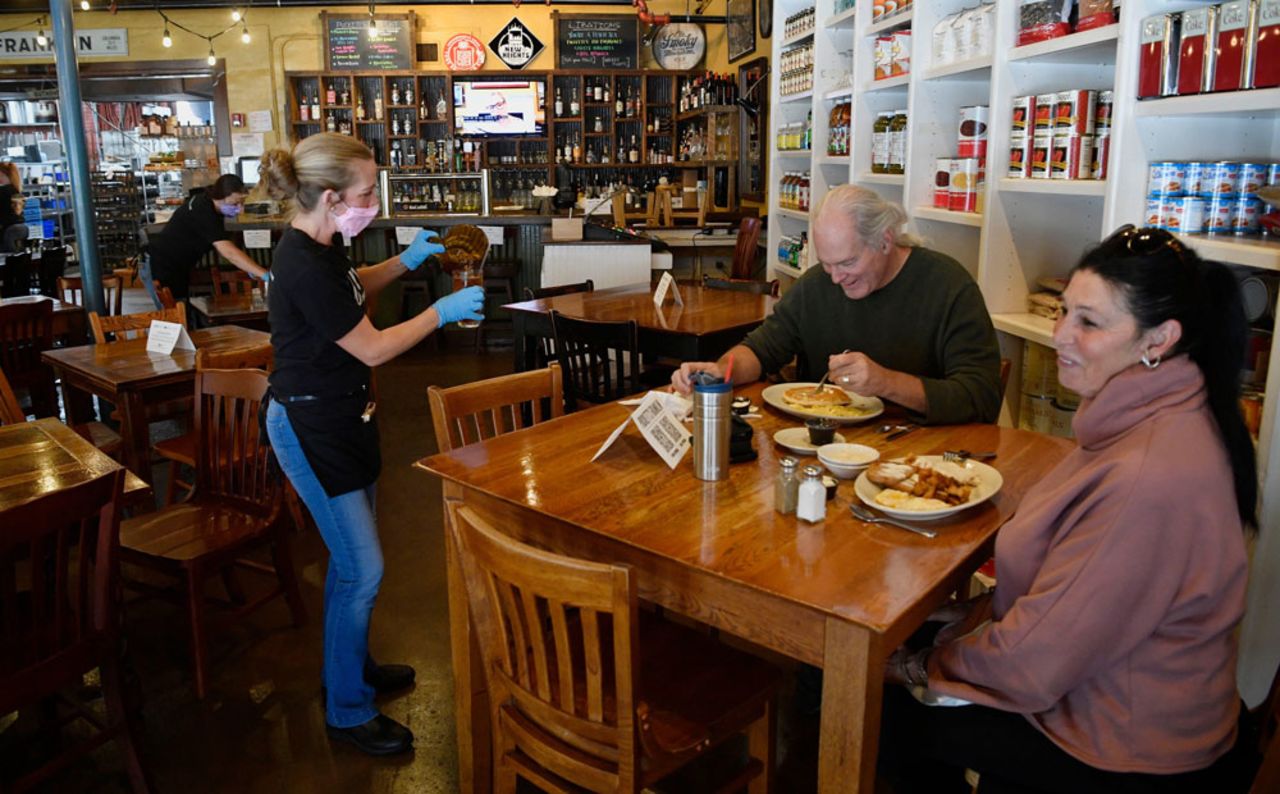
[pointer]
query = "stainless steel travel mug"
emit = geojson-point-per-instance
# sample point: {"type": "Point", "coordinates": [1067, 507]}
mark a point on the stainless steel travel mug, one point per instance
{"type": "Point", "coordinates": [711, 408]}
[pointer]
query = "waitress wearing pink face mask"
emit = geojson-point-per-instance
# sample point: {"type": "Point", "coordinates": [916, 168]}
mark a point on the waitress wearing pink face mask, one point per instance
{"type": "Point", "coordinates": [196, 227]}
{"type": "Point", "coordinates": [320, 418]}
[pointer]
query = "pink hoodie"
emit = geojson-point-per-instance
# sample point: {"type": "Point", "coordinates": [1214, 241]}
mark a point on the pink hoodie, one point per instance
{"type": "Point", "coordinates": [1121, 581]}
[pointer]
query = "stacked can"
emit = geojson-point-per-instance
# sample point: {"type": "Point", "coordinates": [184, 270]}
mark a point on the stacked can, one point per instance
{"type": "Point", "coordinates": [958, 180]}
{"type": "Point", "coordinates": [1039, 387]}
{"type": "Point", "coordinates": [1061, 135]}
{"type": "Point", "coordinates": [1208, 197]}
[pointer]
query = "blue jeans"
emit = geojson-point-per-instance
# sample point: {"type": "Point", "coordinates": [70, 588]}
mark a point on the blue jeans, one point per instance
{"type": "Point", "coordinates": [349, 528]}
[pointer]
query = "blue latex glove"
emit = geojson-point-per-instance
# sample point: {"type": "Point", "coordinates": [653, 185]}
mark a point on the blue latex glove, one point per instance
{"type": "Point", "coordinates": [265, 277]}
{"type": "Point", "coordinates": [421, 248]}
{"type": "Point", "coordinates": [465, 304]}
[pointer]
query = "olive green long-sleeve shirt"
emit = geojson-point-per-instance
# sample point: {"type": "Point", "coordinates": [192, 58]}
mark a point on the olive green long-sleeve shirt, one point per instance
{"type": "Point", "coordinates": [930, 321]}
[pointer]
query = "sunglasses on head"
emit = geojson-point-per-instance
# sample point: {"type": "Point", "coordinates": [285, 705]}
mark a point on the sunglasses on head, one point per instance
{"type": "Point", "coordinates": [1146, 241]}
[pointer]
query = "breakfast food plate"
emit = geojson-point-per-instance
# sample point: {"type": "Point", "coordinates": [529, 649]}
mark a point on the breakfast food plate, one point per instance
{"type": "Point", "coordinates": [982, 480]}
{"type": "Point", "coordinates": [796, 439]}
{"type": "Point", "coordinates": [844, 407]}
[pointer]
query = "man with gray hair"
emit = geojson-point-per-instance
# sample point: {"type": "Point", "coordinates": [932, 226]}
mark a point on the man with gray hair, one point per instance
{"type": "Point", "coordinates": [884, 315]}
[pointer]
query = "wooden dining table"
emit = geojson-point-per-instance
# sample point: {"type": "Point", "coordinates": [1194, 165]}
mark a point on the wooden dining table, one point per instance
{"type": "Point", "coordinates": [70, 321]}
{"type": "Point", "coordinates": [708, 323]}
{"type": "Point", "coordinates": [840, 594]}
{"type": "Point", "coordinates": [45, 456]}
{"type": "Point", "coordinates": [237, 309]}
{"type": "Point", "coordinates": [129, 376]}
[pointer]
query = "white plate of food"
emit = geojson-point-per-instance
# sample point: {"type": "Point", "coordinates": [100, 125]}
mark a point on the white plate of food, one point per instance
{"type": "Point", "coordinates": [796, 439]}
{"type": "Point", "coordinates": [800, 399]}
{"type": "Point", "coordinates": [925, 487]}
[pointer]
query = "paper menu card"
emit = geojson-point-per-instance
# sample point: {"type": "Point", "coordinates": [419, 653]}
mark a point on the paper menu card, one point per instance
{"type": "Point", "coordinates": [665, 433]}
{"type": "Point", "coordinates": [165, 337]}
{"type": "Point", "coordinates": [660, 292]}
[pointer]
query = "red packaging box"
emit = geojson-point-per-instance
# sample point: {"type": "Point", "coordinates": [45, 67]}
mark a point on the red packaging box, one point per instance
{"type": "Point", "coordinates": [1158, 59]}
{"type": "Point", "coordinates": [1196, 52]}
{"type": "Point", "coordinates": [1237, 40]}
{"type": "Point", "coordinates": [1266, 70]}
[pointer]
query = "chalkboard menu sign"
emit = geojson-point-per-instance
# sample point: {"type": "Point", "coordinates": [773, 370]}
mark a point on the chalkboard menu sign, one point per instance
{"type": "Point", "coordinates": [349, 47]}
{"type": "Point", "coordinates": [594, 41]}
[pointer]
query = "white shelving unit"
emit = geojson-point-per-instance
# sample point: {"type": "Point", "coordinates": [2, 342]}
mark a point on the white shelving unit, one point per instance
{"type": "Point", "coordinates": [1028, 229]}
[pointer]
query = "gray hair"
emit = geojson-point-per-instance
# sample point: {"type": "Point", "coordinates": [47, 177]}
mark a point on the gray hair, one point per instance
{"type": "Point", "coordinates": [871, 215]}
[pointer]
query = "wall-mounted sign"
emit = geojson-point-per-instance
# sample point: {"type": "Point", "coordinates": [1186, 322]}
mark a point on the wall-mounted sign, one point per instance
{"type": "Point", "coordinates": [679, 46]}
{"type": "Point", "coordinates": [463, 53]}
{"type": "Point", "coordinates": [105, 41]}
{"type": "Point", "coordinates": [597, 41]}
{"type": "Point", "coordinates": [516, 45]}
{"type": "Point", "coordinates": [349, 47]}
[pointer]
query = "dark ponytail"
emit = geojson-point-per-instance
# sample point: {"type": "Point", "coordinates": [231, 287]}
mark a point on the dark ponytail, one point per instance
{"type": "Point", "coordinates": [1163, 280]}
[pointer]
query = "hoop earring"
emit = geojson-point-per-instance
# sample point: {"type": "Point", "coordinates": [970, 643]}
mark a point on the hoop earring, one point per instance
{"type": "Point", "coordinates": [1149, 363]}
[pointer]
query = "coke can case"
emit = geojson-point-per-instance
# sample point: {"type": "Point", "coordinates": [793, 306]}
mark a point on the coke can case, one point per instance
{"type": "Point", "coordinates": [1197, 53]}
{"type": "Point", "coordinates": [1266, 60]}
{"type": "Point", "coordinates": [1158, 59]}
{"type": "Point", "coordinates": [1236, 45]}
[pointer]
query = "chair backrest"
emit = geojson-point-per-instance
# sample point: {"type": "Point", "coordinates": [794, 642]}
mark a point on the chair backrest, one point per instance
{"type": "Point", "coordinates": [475, 411]}
{"type": "Point", "coordinates": [255, 357]}
{"type": "Point", "coordinates": [601, 360]}
{"type": "Point", "coordinates": [165, 296]}
{"type": "Point", "coordinates": [11, 412]}
{"type": "Point", "coordinates": [233, 458]}
{"type": "Point", "coordinates": [26, 330]}
{"type": "Point", "coordinates": [746, 251]}
{"type": "Point", "coordinates": [71, 290]}
{"type": "Point", "coordinates": [562, 289]}
{"type": "Point", "coordinates": [557, 636]}
{"type": "Point", "coordinates": [231, 282]}
{"type": "Point", "coordinates": [132, 326]}
{"type": "Point", "coordinates": [1005, 366]}
{"type": "Point", "coordinates": [58, 589]}
{"type": "Point", "coordinates": [742, 285]}
{"type": "Point", "coordinates": [53, 263]}
{"type": "Point", "coordinates": [16, 274]}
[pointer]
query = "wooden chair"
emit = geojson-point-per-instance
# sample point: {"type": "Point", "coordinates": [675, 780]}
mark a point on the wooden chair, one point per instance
{"type": "Point", "coordinates": [181, 450]}
{"type": "Point", "coordinates": [538, 355]}
{"type": "Point", "coordinates": [71, 290]}
{"type": "Point", "coordinates": [26, 331]}
{"type": "Point", "coordinates": [587, 693]}
{"type": "Point", "coordinates": [667, 215]}
{"type": "Point", "coordinates": [741, 285]}
{"type": "Point", "coordinates": [475, 411]}
{"type": "Point", "coordinates": [165, 296]}
{"type": "Point", "coordinates": [16, 275]}
{"type": "Point", "coordinates": [746, 252]}
{"type": "Point", "coordinates": [96, 433]}
{"type": "Point", "coordinates": [59, 595]}
{"type": "Point", "coordinates": [235, 509]}
{"type": "Point", "coordinates": [600, 360]}
{"type": "Point", "coordinates": [132, 326]}
{"type": "Point", "coordinates": [231, 281]}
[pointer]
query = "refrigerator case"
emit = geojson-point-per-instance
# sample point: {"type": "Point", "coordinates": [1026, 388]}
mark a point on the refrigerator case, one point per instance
{"type": "Point", "coordinates": [434, 195]}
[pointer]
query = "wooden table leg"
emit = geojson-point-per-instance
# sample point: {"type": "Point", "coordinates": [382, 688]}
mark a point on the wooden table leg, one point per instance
{"type": "Point", "coordinates": [520, 342]}
{"type": "Point", "coordinates": [852, 677]}
{"type": "Point", "coordinates": [136, 433]}
{"type": "Point", "coordinates": [78, 402]}
{"type": "Point", "coordinates": [471, 706]}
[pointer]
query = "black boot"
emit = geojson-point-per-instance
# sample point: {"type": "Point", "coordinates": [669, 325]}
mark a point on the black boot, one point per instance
{"type": "Point", "coordinates": [379, 736]}
{"type": "Point", "coordinates": [387, 678]}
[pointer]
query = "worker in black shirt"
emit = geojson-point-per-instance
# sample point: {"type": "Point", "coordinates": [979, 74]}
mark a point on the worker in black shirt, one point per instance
{"type": "Point", "coordinates": [13, 229]}
{"type": "Point", "coordinates": [196, 227]}
{"type": "Point", "coordinates": [320, 419]}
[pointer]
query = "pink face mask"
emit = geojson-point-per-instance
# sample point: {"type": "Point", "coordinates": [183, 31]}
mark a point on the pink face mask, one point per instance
{"type": "Point", "coordinates": [355, 219]}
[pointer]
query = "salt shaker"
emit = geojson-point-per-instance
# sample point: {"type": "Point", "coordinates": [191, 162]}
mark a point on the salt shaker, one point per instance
{"type": "Point", "coordinates": [812, 502]}
{"type": "Point", "coordinates": [787, 487]}
{"type": "Point", "coordinates": [711, 408]}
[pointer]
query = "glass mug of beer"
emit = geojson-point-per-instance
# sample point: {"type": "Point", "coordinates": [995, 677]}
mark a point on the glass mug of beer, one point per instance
{"type": "Point", "coordinates": [468, 276]}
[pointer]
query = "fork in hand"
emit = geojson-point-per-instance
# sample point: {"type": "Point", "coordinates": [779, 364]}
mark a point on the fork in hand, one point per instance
{"type": "Point", "coordinates": [863, 514]}
{"type": "Point", "coordinates": [961, 455]}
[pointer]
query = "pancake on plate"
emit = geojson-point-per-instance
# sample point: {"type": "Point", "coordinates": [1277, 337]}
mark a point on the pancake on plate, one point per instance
{"type": "Point", "coordinates": [806, 397]}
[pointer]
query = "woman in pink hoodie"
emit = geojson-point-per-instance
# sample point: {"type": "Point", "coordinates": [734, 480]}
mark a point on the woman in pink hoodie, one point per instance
{"type": "Point", "coordinates": [1105, 659]}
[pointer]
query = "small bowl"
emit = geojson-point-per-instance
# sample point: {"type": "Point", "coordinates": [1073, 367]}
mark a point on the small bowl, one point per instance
{"type": "Point", "coordinates": [821, 431]}
{"type": "Point", "coordinates": [741, 406]}
{"type": "Point", "coordinates": [847, 460]}
{"type": "Point", "coordinates": [830, 483]}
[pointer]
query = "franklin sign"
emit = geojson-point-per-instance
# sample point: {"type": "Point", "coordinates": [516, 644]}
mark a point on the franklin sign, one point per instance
{"type": "Point", "coordinates": [106, 41]}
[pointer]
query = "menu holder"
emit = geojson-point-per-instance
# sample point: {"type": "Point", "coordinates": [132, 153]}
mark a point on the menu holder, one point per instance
{"type": "Point", "coordinates": [665, 284]}
{"type": "Point", "coordinates": [165, 337]}
{"type": "Point", "coordinates": [659, 427]}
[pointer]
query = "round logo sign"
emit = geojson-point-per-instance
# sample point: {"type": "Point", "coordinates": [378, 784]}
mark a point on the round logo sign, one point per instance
{"type": "Point", "coordinates": [679, 46]}
{"type": "Point", "coordinates": [463, 53]}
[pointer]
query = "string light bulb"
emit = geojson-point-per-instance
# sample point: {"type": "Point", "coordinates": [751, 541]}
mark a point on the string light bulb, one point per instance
{"type": "Point", "coordinates": [373, 22]}
{"type": "Point", "coordinates": [42, 39]}
{"type": "Point", "coordinates": [84, 5]}
{"type": "Point", "coordinates": [167, 41]}
{"type": "Point", "coordinates": [213, 60]}
{"type": "Point", "coordinates": [235, 15]}
{"type": "Point", "coordinates": [244, 33]}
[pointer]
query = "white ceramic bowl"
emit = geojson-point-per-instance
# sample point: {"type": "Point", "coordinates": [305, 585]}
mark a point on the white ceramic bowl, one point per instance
{"type": "Point", "coordinates": [846, 461]}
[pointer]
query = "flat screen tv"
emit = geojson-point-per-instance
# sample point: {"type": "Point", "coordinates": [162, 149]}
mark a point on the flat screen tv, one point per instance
{"type": "Point", "coordinates": [513, 107]}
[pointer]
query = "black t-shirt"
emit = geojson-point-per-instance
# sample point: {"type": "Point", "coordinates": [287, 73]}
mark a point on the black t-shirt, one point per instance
{"type": "Point", "coordinates": [7, 216]}
{"type": "Point", "coordinates": [315, 299]}
{"type": "Point", "coordinates": [189, 234]}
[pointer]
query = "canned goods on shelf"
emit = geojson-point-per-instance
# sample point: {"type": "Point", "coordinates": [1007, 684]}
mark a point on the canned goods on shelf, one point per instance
{"type": "Point", "coordinates": [1222, 179]}
{"type": "Point", "coordinates": [1046, 112]}
{"type": "Point", "coordinates": [1218, 211]}
{"type": "Point", "coordinates": [1184, 214]}
{"type": "Point", "coordinates": [942, 183]}
{"type": "Point", "coordinates": [1066, 398]}
{"type": "Point", "coordinates": [1166, 177]}
{"type": "Point", "coordinates": [1039, 370]}
{"type": "Point", "coordinates": [1024, 114]}
{"type": "Point", "coordinates": [1253, 177]}
{"type": "Point", "coordinates": [1072, 156]}
{"type": "Point", "coordinates": [973, 131]}
{"type": "Point", "coordinates": [1036, 413]}
{"type": "Point", "coordinates": [1060, 419]}
{"type": "Point", "coordinates": [1251, 410]}
{"type": "Point", "coordinates": [1103, 111]}
{"type": "Point", "coordinates": [1101, 154]}
{"type": "Point", "coordinates": [1074, 112]}
{"type": "Point", "coordinates": [1155, 211]}
{"type": "Point", "coordinates": [1198, 176]}
{"type": "Point", "coordinates": [1273, 174]}
{"type": "Point", "coordinates": [1041, 154]}
{"type": "Point", "coordinates": [1244, 215]}
{"type": "Point", "coordinates": [1020, 156]}
{"type": "Point", "coordinates": [962, 193]}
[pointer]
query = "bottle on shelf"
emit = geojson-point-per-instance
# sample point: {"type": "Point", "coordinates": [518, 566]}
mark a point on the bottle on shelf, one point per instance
{"type": "Point", "coordinates": [377, 104]}
{"type": "Point", "coordinates": [880, 143]}
{"type": "Point", "coordinates": [598, 124]}
{"type": "Point", "coordinates": [315, 105]}
{"type": "Point", "coordinates": [422, 109]}
{"type": "Point", "coordinates": [346, 94]}
{"type": "Point", "coordinates": [408, 94]}
{"type": "Point", "coordinates": [898, 142]}
{"type": "Point", "coordinates": [574, 107]}
{"type": "Point", "coordinates": [395, 94]}
{"type": "Point", "coordinates": [633, 154]}
{"type": "Point", "coordinates": [598, 92]}
{"type": "Point", "coordinates": [304, 110]}
{"type": "Point", "coordinates": [330, 123]}
{"type": "Point", "coordinates": [559, 103]}
{"type": "Point", "coordinates": [442, 109]}
{"type": "Point", "coordinates": [330, 95]}
{"type": "Point", "coordinates": [577, 149]}
{"type": "Point", "coordinates": [360, 115]}
{"type": "Point", "coordinates": [619, 104]}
